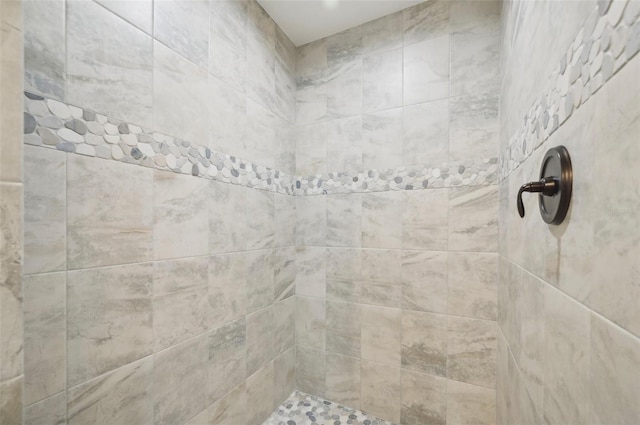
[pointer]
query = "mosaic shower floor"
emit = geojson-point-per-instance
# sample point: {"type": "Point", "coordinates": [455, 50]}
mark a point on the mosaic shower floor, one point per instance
{"type": "Point", "coordinates": [305, 409]}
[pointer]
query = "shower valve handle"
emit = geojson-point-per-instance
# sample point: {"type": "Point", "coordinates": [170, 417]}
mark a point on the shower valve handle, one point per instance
{"type": "Point", "coordinates": [548, 186]}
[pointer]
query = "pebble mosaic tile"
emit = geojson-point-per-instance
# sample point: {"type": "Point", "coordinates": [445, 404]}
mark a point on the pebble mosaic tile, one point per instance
{"type": "Point", "coordinates": [608, 40]}
{"type": "Point", "coordinates": [305, 409]}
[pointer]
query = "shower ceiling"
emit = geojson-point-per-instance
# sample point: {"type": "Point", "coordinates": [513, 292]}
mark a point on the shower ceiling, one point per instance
{"type": "Point", "coordinates": [308, 20]}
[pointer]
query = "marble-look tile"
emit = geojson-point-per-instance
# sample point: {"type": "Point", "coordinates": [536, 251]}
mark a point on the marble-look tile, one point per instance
{"type": "Point", "coordinates": [261, 210]}
{"type": "Point", "coordinates": [344, 144]}
{"type": "Point", "coordinates": [285, 51]}
{"type": "Point", "coordinates": [107, 222]}
{"type": "Point", "coordinates": [284, 147]}
{"type": "Point", "coordinates": [181, 222]}
{"type": "Point", "coordinates": [382, 214]}
{"type": "Point", "coordinates": [381, 277]}
{"type": "Point", "coordinates": [343, 328]}
{"type": "Point", "coordinates": [473, 219]}
{"type": "Point", "coordinates": [426, 70]}
{"type": "Point", "coordinates": [284, 273]}
{"type": "Point", "coordinates": [344, 89]}
{"type": "Point", "coordinates": [426, 21]}
{"type": "Point", "coordinates": [344, 47]}
{"type": "Point", "coordinates": [424, 342]}
{"type": "Point", "coordinates": [381, 339]}
{"type": "Point", "coordinates": [109, 319]}
{"type": "Point", "coordinates": [285, 220]}
{"type": "Point", "coordinates": [45, 329]}
{"type": "Point", "coordinates": [311, 59]}
{"type": "Point", "coordinates": [261, 345]}
{"type": "Point", "coordinates": [471, 351]}
{"type": "Point", "coordinates": [227, 204]}
{"type": "Point", "coordinates": [311, 220]}
{"type": "Point", "coordinates": [343, 380]}
{"type": "Point", "coordinates": [473, 285]}
{"type": "Point", "coordinates": [137, 12]}
{"type": "Point", "coordinates": [380, 390]}
{"type": "Point", "coordinates": [101, 49]}
{"type": "Point", "coordinates": [470, 404]}
{"type": "Point", "coordinates": [228, 42]}
{"type": "Point", "coordinates": [425, 219]}
{"type": "Point", "coordinates": [284, 375]}
{"type": "Point", "coordinates": [382, 34]}
{"type": "Point", "coordinates": [424, 281]}
{"type": "Point", "coordinates": [311, 99]}
{"type": "Point", "coordinates": [180, 301]}
{"type": "Point", "coordinates": [260, 25]}
{"type": "Point", "coordinates": [260, 140]}
{"type": "Point", "coordinates": [310, 271]}
{"type": "Point", "coordinates": [424, 399]}
{"type": "Point", "coordinates": [230, 409]}
{"type": "Point", "coordinates": [260, 397]}
{"type": "Point", "coordinates": [381, 136]}
{"type": "Point", "coordinates": [261, 77]}
{"type": "Point", "coordinates": [119, 397]}
{"type": "Point", "coordinates": [614, 388]}
{"type": "Point", "coordinates": [44, 210]}
{"type": "Point", "coordinates": [227, 358]}
{"type": "Point", "coordinates": [475, 61]}
{"type": "Point", "coordinates": [176, 81]}
{"type": "Point", "coordinates": [51, 411]}
{"type": "Point", "coordinates": [44, 48]}
{"type": "Point", "coordinates": [382, 81]}
{"type": "Point", "coordinates": [310, 370]}
{"type": "Point", "coordinates": [11, 401]}
{"type": "Point", "coordinates": [284, 322]}
{"type": "Point", "coordinates": [285, 93]}
{"type": "Point", "coordinates": [311, 148]}
{"type": "Point", "coordinates": [473, 128]}
{"type": "Point", "coordinates": [343, 274]}
{"type": "Point", "coordinates": [311, 322]}
{"type": "Point", "coordinates": [227, 287]}
{"type": "Point", "coordinates": [344, 227]}
{"type": "Point", "coordinates": [566, 359]}
{"type": "Point", "coordinates": [11, 308]}
{"type": "Point", "coordinates": [469, 14]}
{"type": "Point", "coordinates": [228, 118]}
{"type": "Point", "coordinates": [425, 138]}
{"type": "Point", "coordinates": [260, 279]}
{"type": "Point", "coordinates": [179, 382]}
{"type": "Point", "coordinates": [184, 27]}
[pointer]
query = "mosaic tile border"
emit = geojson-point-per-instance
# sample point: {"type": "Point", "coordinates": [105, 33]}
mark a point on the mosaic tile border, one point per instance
{"type": "Point", "coordinates": [414, 177]}
{"type": "Point", "coordinates": [56, 125]}
{"type": "Point", "coordinates": [304, 409]}
{"type": "Point", "coordinates": [608, 40]}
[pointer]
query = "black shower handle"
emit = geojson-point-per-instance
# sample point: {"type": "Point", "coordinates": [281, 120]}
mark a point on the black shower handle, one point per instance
{"type": "Point", "coordinates": [548, 186]}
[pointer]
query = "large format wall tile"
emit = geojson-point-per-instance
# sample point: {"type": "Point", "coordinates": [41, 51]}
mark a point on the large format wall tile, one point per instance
{"type": "Point", "coordinates": [260, 339]}
{"type": "Point", "coordinates": [108, 222]}
{"type": "Point", "coordinates": [380, 390]}
{"type": "Point", "coordinates": [311, 274]}
{"type": "Point", "coordinates": [470, 404]}
{"type": "Point", "coordinates": [426, 70]}
{"type": "Point", "coordinates": [227, 287]}
{"type": "Point", "coordinates": [424, 281]}
{"type": "Point", "coordinates": [345, 144]}
{"type": "Point", "coordinates": [473, 219]}
{"type": "Point", "coordinates": [343, 380]}
{"type": "Point", "coordinates": [471, 351]}
{"type": "Point", "coordinates": [381, 132]}
{"type": "Point", "coordinates": [381, 334]}
{"type": "Point", "coordinates": [184, 27]}
{"type": "Point", "coordinates": [138, 12]}
{"type": "Point", "coordinates": [227, 358]}
{"type": "Point", "coordinates": [44, 47]}
{"type": "Point", "coordinates": [228, 226]}
{"type": "Point", "coordinates": [425, 220]}
{"type": "Point", "coordinates": [260, 279]}
{"type": "Point", "coordinates": [311, 322]}
{"type": "Point", "coordinates": [425, 136]}
{"type": "Point", "coordinates": [181, 222]}
{"type": "Point", "coordinates": [181, 307]}
{"type": "Point", "coordinates": [426, 21]}
{"type": "Point", "coordinates": [424, 342]}
{"type": "Point", "coordinates": [227, 117]}
{"type": "Point", "coordinates": [473, 130]}
{"type": "Point", "coordinates": [343, 328]}
{"type": "Point", "coordinates": [228, 42]}
{"type": "Point", "coordinates": [178, 81]}
{"type": "Point", "coordinates": [382, 220]}
{"type": "Point", "coordinates": [472, 290]}
{"type": "Point", "coordinates": [51, 411]}
{"type": "Point", "coordinates": [382, 81]}
{"type": "Point", "coordinates": [310, 370]}
{"type": "Point", "coordinates": [45, 210]}
{"type": "Point", "coordinates": [424, 399]}
{"type": "Point", "coordinates": [120, 397]}
{"type": "Point", "coordinates": [101, 49]}
{"type": "Point", "coordinates": [109, 319]}
{"type": "Point", "coordinates": [45, 331]}
{"type": "Point", "coordinates": [260, 397]}
{"type": "Point", "coordinates": [260, 209]}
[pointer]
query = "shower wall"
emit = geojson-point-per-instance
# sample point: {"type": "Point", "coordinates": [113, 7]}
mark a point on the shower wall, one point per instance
{"type": "Point", "coordinates": [569, 300]}
{"type": "Point", "coordinates": [159, 243]}
{"type": "Point", "coordinates": [396, 144]}
{"type": "Point", "coordinates": [11, 188]}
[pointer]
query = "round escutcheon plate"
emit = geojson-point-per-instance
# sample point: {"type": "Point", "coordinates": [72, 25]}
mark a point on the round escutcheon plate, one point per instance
{"type": "Point", "coordinates": [556, 164]}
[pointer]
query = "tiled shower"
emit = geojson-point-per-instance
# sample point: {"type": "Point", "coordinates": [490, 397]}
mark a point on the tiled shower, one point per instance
{"type": "Point", "coordinates": [203, 223]}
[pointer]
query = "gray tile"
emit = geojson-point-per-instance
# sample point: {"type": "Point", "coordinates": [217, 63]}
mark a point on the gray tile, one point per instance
{"type": "Point", "coordinates": [345, 144]}
{"type": "Point", "coordinates": [228, 225]}
{"type": "Point", "coordinates": [102, 48]}
{"type": "Point", "coordinates": [426, 21]}
{"type": "Point", "coordinates": [51, 411]}
{"type": "Point", "coordinates": [11, 401]}
{"type": "Point", "coordinates": [470, 404]}
{"type": "Point", "coordinates": [109, 319]}
{"type": "Point", "coordinates": [311, 322]}
{"type": "Point", "coordinates": [227, 358]}
{"type": "Point", "coordinates": [311, 220]}
{"type": "Point", "coordinates": [381, 132]}
{"type": "Point", "coordinates": [343, 380]}
{"type": "Point", "coordinates": [119, 397]}
{"type": "Point", "coordinates": [311, 271]}
{"type": "Point", "coordinates": [284, 322]}
{"type": "Point", "coordinates": [259, 388]}
{"type": "Point", "coordinates": [381, 390]}
{"type": "Point", "coordinates": [425, 219]}
{"type": "Point", "coordinates": [471, 351]}
{"type": "Point", "coordinates": [343, 328]}
{"type": "Point", "coordinates": [424, 342]}
{"type": "Point", "coordinates": [475, 61]}
{"type": "Point", "coordinates": [473, 285]}
{"type": "Point", "coordinates": [107, 222]}
{"type": "Point", "coordinates": [425, 138]}
{"type": "Point", "coordinates": [310, 370]}
{"type": "Point", "coordinates": [227, 287]}
{"type": "Point", "coordinates": [44, 336]}
{"type": "Point", "coordinates": [261, 346]}
{"type": "Point", "coordinates": [230, 409]}
{"type": "Point", "coordinates": [344, 227]}
{"type": "Point", "coordinates": [424, 281]}
{"type": "Point", "coordinates": [284, 375]}
{"type": "Point", "coordinates": [284, 273]}
{"type": "Point", "coordinates": [184, 27]}
{"type": "Point", "coordinates": [426, 70]}
{"type": "Point", "coordinates": [344, 89]}
{"type": "Point", "coordinates": [474, 126]}
{"type": "Point", "coordinates": [424, 399]}
{"type": "Point", "coordinates": [260, 279]}
{"type": "Point", "coordinates": [381, 334]}
{"type": "Point", "coordinates": [382, 220]}
{"type": "Point", "coordinates": [311, 148]}
{"type": "Point", "coordinates": [473, 219]}
{"type": "Point", "coordinates": [260, 209]}
{"type": "Point", "coordinates": [380, 278]}
{"type": "Point", "coordinates": [382, 81]}
{"type": "Point", "coordinates": [137, 12]}
{"type": "Point", "coordinates": [343, 274]}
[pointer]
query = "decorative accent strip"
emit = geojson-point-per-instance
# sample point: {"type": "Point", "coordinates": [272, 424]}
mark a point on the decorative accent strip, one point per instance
{"type": "Point", "coordinates": [450, 174]}
{"type": "Point", "coordinates": [608, 40]}
{"type": "Point", "coordinates": [56, 125]}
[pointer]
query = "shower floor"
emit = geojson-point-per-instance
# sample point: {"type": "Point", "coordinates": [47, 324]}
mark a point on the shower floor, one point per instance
{"type": "Point", "coordinates": [305, 409]}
